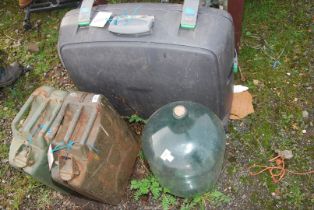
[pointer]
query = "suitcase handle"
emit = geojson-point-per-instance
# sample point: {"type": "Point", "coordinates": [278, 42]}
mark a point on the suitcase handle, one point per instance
{"type": "Point", "coordinates": [189, 14]}
{"type": "Point", "coordinates": [85, 12]}
{"type": "Point", "coordinates": [131, 24]}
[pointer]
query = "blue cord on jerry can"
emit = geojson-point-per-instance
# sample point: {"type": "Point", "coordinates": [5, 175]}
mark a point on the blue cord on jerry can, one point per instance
{"type": "Point", "coordinates": [67, 146]}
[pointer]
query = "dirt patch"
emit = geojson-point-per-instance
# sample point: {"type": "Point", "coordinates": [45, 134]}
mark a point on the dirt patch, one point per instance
{"type": "Point", "coordinates": [59, 77]}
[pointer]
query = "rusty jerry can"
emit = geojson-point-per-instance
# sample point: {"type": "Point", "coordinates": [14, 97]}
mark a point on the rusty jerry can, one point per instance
{"type": "Point", "coordinates": [28, 150]}
{"type": "Point", "coordinates": [92, 151]}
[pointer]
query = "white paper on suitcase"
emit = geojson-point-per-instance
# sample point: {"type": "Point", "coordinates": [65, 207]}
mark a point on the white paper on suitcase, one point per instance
{"type": "Point", "coordinates": [100, 19]}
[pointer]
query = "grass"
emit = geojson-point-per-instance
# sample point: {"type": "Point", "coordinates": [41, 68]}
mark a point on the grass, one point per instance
{"type": "Point", "coordinates": [17, 189]}
{"type": "Point", "coordinates": [276, 50]}
{"type": "Point", "coordinates": [272, 27]}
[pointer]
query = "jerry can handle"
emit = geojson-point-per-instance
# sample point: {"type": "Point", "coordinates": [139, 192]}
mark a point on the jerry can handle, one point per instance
{"type": "Point", "coordinates": [73, 124]}
{"type": "Point", "coordinates": [88, 127]}
{"type": "Point", "coordinates": [56, 123]}
{"type": "Point", "coordinates": [47, 127]}
{"type": "Point", "coordinates": [36, 116]}
{"type": "Point", "coordinates": [19, 116]}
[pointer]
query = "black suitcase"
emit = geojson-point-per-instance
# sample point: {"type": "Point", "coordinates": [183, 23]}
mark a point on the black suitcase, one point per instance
{"type": "Point", "coordinates": [139, 73]}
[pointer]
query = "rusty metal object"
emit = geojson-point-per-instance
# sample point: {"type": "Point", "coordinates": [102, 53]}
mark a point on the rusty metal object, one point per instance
{"type": "Point", "coordinates": [24, 3]}
{"type": "Point", "coordinates": [236, 9]}
{"type": "Point", "coordinates": [93, 149]}
{"type": "Point", "coordinates": [28, 150]}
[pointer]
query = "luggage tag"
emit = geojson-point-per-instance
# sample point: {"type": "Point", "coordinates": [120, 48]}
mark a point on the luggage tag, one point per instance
{"type": "Point", "coordinates": [50, 157]}
{"type": "Point", "coordinates": [100, 19]}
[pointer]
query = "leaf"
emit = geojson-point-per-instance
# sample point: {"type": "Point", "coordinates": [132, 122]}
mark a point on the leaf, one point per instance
{"type": "Point", "coordinates": [218, 198]}
{"type": "Point", "coordinates": [135, 118]}
{"type": "Point", "coordinates": [167, 201]}
{"type": "Point", "coordinates": [286, 154]}
{"type": "Point", "coordinates": [155, 188]}
{"type": "Point", "coordinates": [151, 185]}
{"type": "Point", "coordinates": [248, 33]}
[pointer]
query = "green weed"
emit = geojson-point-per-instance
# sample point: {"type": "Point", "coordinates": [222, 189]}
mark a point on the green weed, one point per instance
{"type": "Point", "coordinates": [146, 186]}
{"type": "Point", "coordinates": [197, 201]}
{"type": "Point", "coordinates": [214, 198]}
{"type": "Point", "coordinates": [136, 119]}
{"type": "Point", "coordinates": [150, 185]}
{"type": "Point", "coordinates": [218, 198]}
{"type": "Point", "coordinates": [167, 200]}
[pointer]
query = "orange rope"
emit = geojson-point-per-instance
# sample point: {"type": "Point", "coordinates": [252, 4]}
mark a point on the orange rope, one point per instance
{"type": "Point", "coordinates": [279, 168]}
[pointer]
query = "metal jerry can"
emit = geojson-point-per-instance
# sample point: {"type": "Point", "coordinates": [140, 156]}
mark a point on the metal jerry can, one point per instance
{"type": "Point", "coordinates": [28, 149]}
{"type": "Point", "coordinates": [92, 151]}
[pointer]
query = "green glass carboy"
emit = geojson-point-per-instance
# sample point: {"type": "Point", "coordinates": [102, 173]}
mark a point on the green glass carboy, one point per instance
{"type": "Point", "coordinates": [184, 144]}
